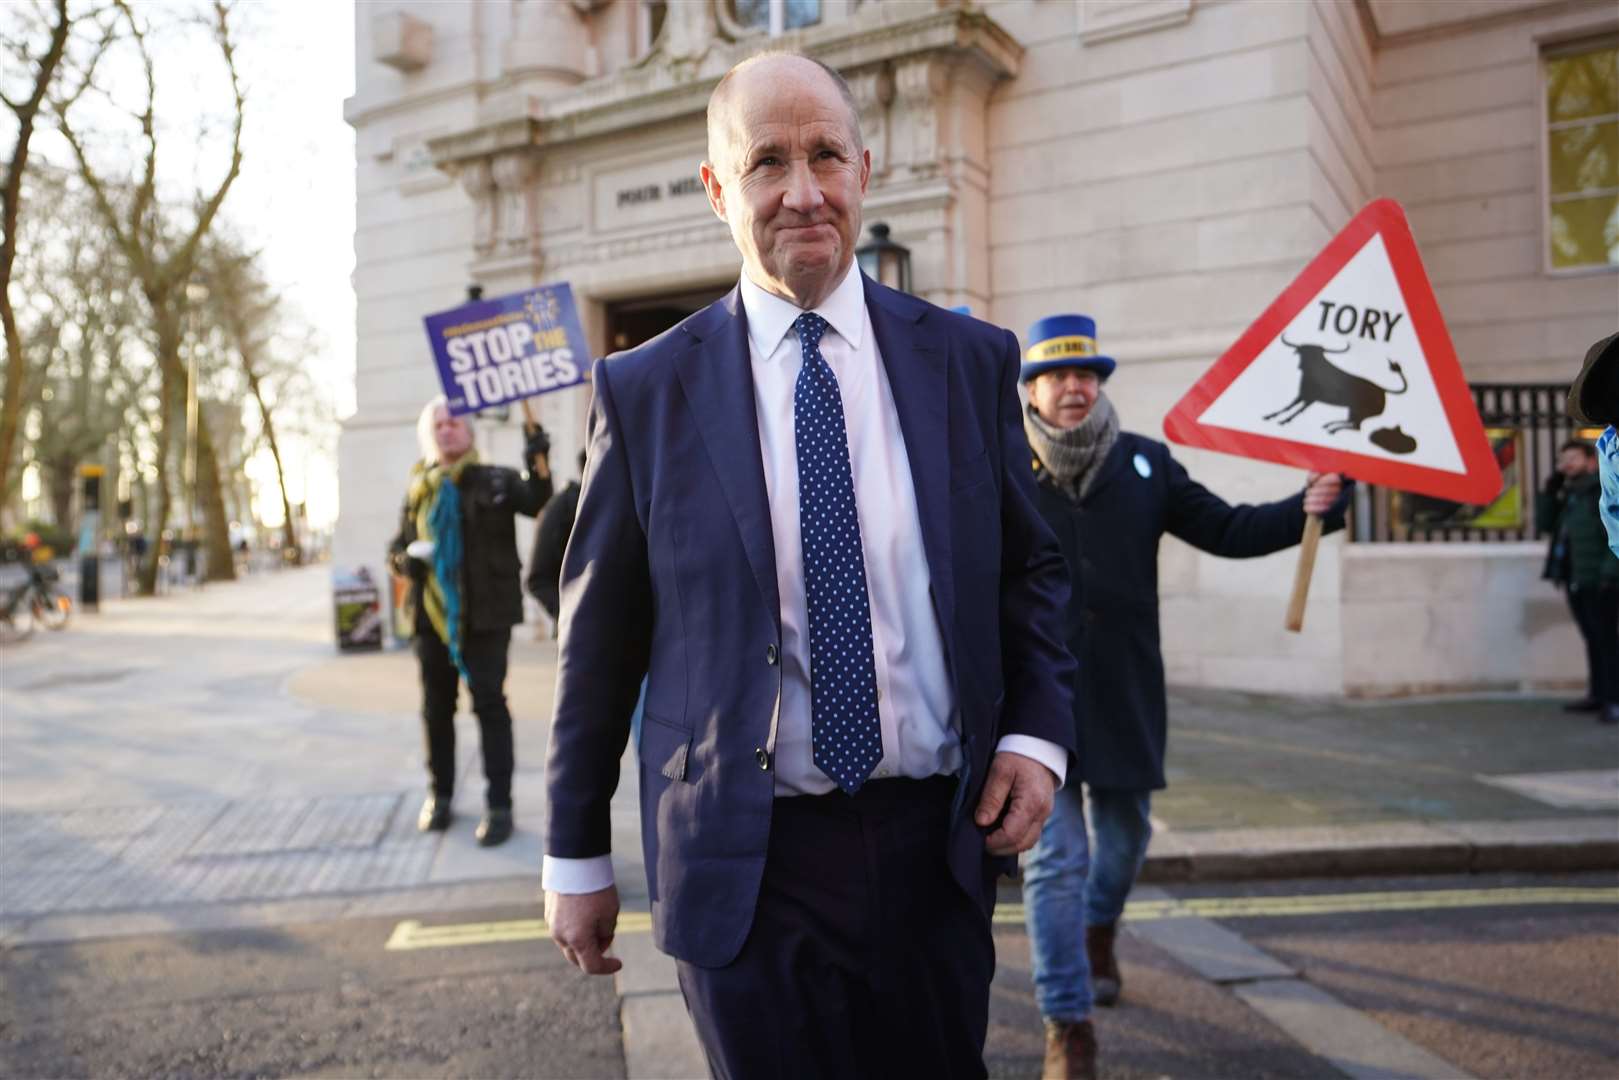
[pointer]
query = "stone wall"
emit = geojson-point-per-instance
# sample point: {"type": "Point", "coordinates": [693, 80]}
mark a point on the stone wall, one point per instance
{"type": "Point", "coordinates": [1429, 618]}
{"type": "Point", "coordinates": [1167, 166]}
{"type": "Point", "coordinates": [1459, 120]}
{"type": "Point", "coordinates": [1169, 178]}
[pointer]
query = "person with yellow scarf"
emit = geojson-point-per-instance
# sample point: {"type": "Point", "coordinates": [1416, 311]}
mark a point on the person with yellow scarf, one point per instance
{"type": "Point", "coordinates": [457, 545]}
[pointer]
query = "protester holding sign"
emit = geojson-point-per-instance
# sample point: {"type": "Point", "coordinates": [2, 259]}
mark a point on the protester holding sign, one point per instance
{"type": "Point", "coordinates": [457, 545]}
{"type": "Point", "coordinates": [1110, 495]}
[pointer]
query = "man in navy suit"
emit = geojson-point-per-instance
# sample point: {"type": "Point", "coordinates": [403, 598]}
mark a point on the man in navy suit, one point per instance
{"type": "Point", "coordinates": [808, 521]}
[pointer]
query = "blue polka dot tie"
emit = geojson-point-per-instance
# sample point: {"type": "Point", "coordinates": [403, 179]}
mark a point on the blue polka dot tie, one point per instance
{"type": "Point", "coordinates": [846, 738]}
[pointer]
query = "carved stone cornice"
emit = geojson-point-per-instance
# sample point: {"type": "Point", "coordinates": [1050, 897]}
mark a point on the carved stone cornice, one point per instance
{"type": "Point", "coordinates": [655, 94]}
{"type": "Point", "coordinates": [920, 76]}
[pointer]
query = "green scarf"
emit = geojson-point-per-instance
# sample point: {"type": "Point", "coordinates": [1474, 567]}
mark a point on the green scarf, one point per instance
{"type": "Point", "coordinates": [441, 593]}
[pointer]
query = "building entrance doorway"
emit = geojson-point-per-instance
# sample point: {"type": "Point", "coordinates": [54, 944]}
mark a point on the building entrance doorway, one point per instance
{"type": "Point", "coordinates": [635, 322]}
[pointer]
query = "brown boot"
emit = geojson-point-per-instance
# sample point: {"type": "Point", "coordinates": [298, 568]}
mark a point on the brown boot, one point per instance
{"type": "Point", "coordinates": [1106, 982]}
{"type": "Point", "coordinates": [1070, 1051]}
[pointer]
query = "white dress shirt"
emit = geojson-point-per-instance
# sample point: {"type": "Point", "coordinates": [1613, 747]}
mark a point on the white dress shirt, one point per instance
{"type": "Point", "coordinates": [916, 702]}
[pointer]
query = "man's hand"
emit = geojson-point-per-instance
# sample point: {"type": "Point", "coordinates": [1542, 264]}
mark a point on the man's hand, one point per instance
{"type": "Point", "coordinates": [582, 925]}
{"type": "Point", "coordinates": [1321, 491]}
{"type": "Point", "coordinates": [1024, 788]}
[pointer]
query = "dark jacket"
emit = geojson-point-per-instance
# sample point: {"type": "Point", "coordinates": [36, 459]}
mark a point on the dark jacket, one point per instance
{"type": "Point", "coordinates": [491, 496]}
{"type": "Point", "coordinates": [670, 574]}
{"type": "Point", "coordinates": [550, 541]}
{"type": "Point", "coordinates": [1578, 555]}
{"type": "Point", "coordinates": [1110, 540]}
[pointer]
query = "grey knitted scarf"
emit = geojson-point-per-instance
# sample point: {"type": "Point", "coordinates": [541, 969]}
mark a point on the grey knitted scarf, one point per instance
{"type": "Point", "coordinates": [1073, 456]}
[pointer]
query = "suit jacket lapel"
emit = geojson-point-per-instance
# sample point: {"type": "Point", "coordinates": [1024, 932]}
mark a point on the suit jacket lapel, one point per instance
{"type": "Point", "coordinates": [916, 358]}
{"type": "Point", "coordinates": [717, 376]}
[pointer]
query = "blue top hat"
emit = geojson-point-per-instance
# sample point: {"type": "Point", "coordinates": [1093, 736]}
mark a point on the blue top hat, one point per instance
{"type": "Point", "coordinates": [1059, 341]}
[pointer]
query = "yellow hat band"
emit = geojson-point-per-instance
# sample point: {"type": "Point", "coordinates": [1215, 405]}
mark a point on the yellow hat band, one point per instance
{"type": "Point", "coordinates": [1062, 348]}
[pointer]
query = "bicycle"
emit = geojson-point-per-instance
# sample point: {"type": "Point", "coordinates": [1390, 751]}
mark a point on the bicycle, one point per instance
{"type": "Point", "coordinates": [36, 600]}
{"type": "Point", "coordinates": [51, 607]}
{"type": "Point", "coordinates": [17, 612]}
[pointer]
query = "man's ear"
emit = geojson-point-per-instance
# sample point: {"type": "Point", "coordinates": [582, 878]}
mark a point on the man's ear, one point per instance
{"type": "Point", "coordinates": [716, 194]}
{"type": "Point", "coordinates": [865, 169]}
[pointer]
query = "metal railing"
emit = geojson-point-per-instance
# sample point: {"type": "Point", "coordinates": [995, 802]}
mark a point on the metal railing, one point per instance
{"type": "Point", "coordinates": [1526, 424]}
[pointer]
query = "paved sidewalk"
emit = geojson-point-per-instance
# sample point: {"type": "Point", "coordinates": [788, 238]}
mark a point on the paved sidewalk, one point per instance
{"type": "Point", "coordinates": [207, 758]}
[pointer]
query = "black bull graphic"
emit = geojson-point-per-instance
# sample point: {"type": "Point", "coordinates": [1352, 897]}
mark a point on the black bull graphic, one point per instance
{"type": "Point", "coordinates": [1321, 382]}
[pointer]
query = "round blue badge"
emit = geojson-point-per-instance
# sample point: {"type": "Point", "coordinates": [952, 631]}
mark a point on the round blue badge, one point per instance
{"type": "Point", "coordinates": [1143, 466]}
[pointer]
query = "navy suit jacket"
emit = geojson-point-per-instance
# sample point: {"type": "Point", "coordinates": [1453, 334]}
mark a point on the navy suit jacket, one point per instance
{"type": "Point", "coordinates": [670, 573]}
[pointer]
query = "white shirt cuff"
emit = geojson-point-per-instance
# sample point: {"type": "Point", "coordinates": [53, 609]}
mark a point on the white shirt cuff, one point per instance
{"type": "Point", "coordinates": [576, 875]}
{"type": "Point", "coordinates": [1046, 753]}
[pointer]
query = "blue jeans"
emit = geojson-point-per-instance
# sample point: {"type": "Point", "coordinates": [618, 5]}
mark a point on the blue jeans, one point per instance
{"type": "Point", "coordinates": [1065, 889]}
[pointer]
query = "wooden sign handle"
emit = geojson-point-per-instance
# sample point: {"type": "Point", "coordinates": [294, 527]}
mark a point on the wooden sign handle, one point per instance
{"type": "Point", "coordinates": [1301, 580]}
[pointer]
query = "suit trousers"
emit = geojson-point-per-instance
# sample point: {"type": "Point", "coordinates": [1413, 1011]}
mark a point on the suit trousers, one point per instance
{"type": "Point", "coordinates": [865, 958]}
{"type": "Point", "coordinates": [485, 656]}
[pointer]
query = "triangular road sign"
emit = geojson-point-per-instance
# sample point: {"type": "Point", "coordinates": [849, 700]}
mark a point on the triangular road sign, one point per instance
{"type": "Point", "coordinates": [1350, 370]}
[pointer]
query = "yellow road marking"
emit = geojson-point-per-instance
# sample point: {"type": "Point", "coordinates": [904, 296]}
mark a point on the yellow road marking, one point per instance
{"type": "Point", "coordinates": [411, 934]}
{"type": "Point", "coordinates": [1239, 907]}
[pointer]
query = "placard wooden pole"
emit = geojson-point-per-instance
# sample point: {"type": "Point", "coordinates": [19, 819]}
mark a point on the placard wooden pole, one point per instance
{"type": "Point", "coordinates": [1301, 580]}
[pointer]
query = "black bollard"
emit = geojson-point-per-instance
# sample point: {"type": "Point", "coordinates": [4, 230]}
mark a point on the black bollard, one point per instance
{"type": "Point", "coordinates": [89, 539]}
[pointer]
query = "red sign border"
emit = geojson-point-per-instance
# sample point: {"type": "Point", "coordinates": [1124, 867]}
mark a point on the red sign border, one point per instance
{"type": "Point", "coordinates": [1481, 483]}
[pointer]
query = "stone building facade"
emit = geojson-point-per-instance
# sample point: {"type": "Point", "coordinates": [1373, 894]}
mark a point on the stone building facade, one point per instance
{"type": "Point", "coordinates": [1166, 166]}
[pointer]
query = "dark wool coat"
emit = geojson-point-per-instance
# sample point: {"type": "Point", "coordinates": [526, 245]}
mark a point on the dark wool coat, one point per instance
{"type": "Point", "coordinates": [491, 496]}
{"type": "Point", "coordinates": [1571, 512]}
{"type": "Point", "coordinates": [1110, 540]}
{"type": "Point", "coordinates": [550, 542]}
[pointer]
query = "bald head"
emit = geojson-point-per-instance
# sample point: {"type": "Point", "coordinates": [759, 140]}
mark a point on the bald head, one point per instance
{"type": "Point", "coordinates": [787, 171]}
{"type": "Point", "coordinates": [757, 74]}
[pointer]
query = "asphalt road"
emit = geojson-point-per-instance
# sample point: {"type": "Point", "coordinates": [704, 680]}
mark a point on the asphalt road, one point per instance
{"type": "Point", "coordinates": [1511, 988]}
{"type": "Point", "coordinates": [1510, 991]}
{"type": "Point", "coordinates": [322, 1000]}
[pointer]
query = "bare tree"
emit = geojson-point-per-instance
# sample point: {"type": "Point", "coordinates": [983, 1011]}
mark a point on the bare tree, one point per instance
{"type": "Point", "coordinates": [79, 330]}
{"type": "Point", "coordinates": [162, 254]}
{"type": "Point", "coordinates": [26, 109]}
{"type": "Point", "coordinates": [248, 311]}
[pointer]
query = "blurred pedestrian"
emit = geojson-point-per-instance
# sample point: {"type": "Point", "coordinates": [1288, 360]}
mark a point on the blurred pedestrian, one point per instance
{"type": "Point", "coordinates": [1110, 495]}
{"type": "Point", "coordinates": [550, 541]}
{"type": "Point", "coordinates": [457, 544]}
{"type": "Point", "coordinates": [1579, 562]}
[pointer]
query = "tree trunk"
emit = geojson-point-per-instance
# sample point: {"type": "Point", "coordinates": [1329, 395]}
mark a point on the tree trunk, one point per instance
{"type": "Point", "coordinates": [10, 193]}
{"type": "Point", "coordinates": [62, 471]}
{"type": "Point", "coordinates": [168, 354]}
{"type": "Point", "coordinates": [289, 528]}
{"type": "Point", "coordinates": [221, 560]}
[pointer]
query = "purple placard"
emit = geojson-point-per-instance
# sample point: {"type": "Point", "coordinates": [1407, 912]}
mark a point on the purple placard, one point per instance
{"type": "Point", "coordinates": [495, 352]}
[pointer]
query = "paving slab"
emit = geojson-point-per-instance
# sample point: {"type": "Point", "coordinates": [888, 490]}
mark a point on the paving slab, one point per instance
{"type": "Point", "coordinates": [659, 1043]}
{"type": "Point", "coordinates": [1348, 1039]}
{"type": "Point", "coordinates": [1211, 950]}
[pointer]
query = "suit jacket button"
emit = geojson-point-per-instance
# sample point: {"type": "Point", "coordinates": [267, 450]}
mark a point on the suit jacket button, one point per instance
{"type": "Point", "coordinates": [771, 654]}
{"type": "Point", "coordinates": [762, 758]}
